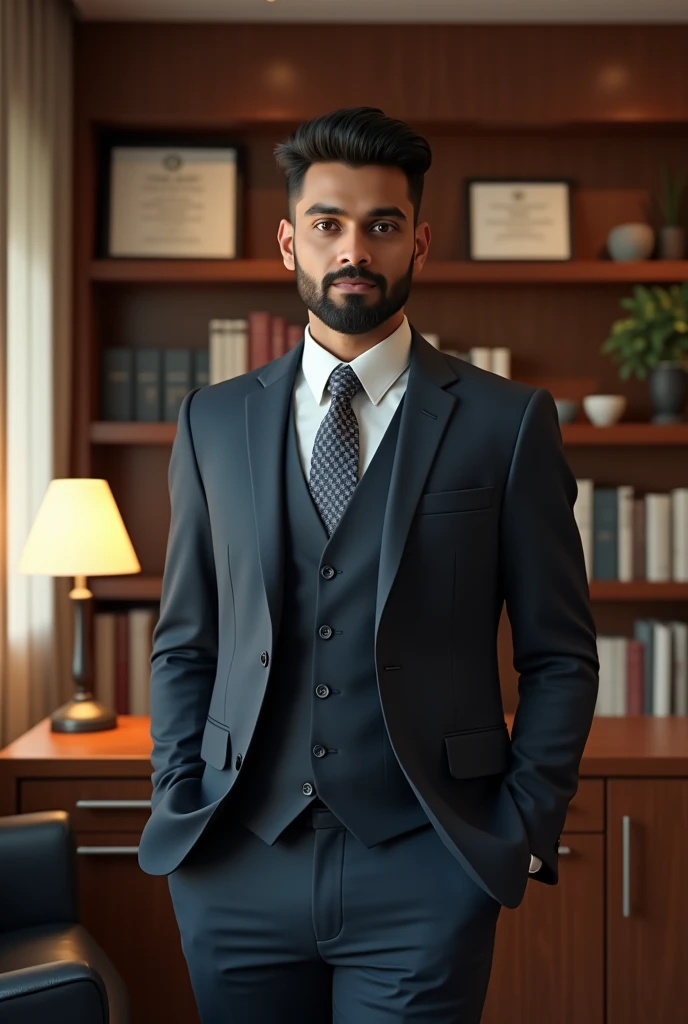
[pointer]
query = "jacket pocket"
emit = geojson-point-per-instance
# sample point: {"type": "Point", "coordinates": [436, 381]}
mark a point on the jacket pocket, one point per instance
{"type": "Point", "coordinates": [216, 749]}
{"type": "Point", "coordinates": [475, 752]}
{"type": "Point", "coordinates": [465, 500]}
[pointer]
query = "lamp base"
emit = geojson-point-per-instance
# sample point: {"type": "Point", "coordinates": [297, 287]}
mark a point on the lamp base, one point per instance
{"type": "Point", "coordinates": [83, 714]}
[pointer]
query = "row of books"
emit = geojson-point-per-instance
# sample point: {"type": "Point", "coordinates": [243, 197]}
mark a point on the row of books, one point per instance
{"type": "Point", "coordinates": [628, 536]}
{"type": "Point", "coordinates": [149, 384]}
{"type": "Point", "coordinates": [123, 644]}
{"type": "Point", "coordinates": [646, 674]}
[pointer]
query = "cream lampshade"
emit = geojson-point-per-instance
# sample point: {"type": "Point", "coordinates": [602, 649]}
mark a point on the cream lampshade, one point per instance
{"type": "Point", "coordinates": [78, 531]}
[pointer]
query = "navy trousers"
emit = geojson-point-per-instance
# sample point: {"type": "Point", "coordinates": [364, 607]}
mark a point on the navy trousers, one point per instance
{"type": "Point", "coordinates": [319, 929]}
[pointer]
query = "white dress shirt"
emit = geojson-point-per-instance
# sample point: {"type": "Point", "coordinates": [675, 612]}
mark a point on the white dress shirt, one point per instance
{"type": "Point", "coordinates": [383, 372]}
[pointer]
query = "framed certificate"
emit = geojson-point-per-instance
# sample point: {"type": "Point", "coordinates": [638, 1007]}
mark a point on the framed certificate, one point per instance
{"type": "Point", "coordinates": [172, 201]}
{"type": "Point", "coordinates": [518, 219]}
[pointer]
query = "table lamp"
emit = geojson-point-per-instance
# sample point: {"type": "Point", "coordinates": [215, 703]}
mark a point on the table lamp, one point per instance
{"type": "Point", "coordinates": [79, 532]}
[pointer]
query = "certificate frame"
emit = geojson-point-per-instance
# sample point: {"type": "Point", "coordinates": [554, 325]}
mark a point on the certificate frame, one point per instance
{"type": "Point", "coordinates": [482, 241]}
{"type": "Point", "coordinates": [137, 146]}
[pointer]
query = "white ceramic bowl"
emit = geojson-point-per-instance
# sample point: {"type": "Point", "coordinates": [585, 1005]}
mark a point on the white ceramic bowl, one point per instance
{"type": "Point", "coordinates": [604, 410]}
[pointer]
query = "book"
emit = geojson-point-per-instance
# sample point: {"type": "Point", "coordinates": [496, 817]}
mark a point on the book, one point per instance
{"type": "Point", "coordinates": [117, 384]}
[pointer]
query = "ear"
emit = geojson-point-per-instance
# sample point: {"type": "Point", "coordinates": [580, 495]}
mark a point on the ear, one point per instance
{"type": "Point", "coordinates": [285, 239]}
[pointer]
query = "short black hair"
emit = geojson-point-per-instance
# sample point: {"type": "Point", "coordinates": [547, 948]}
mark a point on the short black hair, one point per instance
{"type": "Point", "coordinates": [356, 136]}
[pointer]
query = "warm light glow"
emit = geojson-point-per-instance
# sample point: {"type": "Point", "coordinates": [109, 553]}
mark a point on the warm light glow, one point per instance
{"type": "Point", "coordinates": [78, 531]}
{"type": "Point", "coordinates": [282, 74]}
{"type": "Point", "coordinates": [613, 77]}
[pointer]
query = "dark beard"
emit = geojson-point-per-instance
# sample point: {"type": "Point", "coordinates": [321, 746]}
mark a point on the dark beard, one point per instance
{"type": "Point", "coordinates": [356, 314]}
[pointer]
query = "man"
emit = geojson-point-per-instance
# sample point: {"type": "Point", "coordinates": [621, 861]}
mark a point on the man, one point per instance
{"type": "Point", "coordinates": [336, 799]}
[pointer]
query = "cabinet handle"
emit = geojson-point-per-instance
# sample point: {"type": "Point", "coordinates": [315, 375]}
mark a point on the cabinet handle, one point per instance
{"type": "Point", "coordinates": [564, 851]}
{"type": "Point", "coordinates": [119, 805]}
{"type": "Point", "coordinates": [626, 866]}
{"type": "Point", "coordinates": [101, 850]}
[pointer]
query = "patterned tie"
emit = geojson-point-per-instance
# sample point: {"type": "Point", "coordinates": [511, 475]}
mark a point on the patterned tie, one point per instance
{"type": "Point", "coordinates": [334, 462]}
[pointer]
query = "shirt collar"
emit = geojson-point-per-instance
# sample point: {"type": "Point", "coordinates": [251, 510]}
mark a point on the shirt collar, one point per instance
{"type": "Point", "coordinates": [377, 369]}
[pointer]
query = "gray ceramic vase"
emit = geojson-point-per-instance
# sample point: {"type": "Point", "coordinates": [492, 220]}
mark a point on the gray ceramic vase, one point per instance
{"type": "Point", "coordinates": [668, 392]}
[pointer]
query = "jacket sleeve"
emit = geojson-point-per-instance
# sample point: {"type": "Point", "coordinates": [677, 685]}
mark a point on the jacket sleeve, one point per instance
{"type": "Point", "coordinates": [185, 639]}
{"type": "Point", "coordinates": [547, 597]}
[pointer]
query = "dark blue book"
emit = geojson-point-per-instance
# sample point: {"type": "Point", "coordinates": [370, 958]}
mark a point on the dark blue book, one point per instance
{"type": "Point", "coordinates": [148, 385]}
{"type": "Point", "coordinates": [643, 631]}
{"type": "Point", "coordinates": [177, 378]}
{"type": "Point", "coordinates": [117, 379]}
{"type": "Point", "coordinates": [605, 522]}
{"type": "Point", "coordinates": [201, 367]}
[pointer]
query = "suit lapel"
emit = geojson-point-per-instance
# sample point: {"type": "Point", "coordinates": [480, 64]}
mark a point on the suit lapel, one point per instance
{"type": "Point", "coordinates": [426, 412]}
{"type": "Point", "coordinates": [424, 417]}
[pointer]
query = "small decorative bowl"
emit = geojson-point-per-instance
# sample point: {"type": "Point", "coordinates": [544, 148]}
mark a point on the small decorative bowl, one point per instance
{"type": "Point", "coordinates": [604, 410]}
{"type": "Point", "coordinates": [631, 242]}
{"type": "Point", "coordinates": [567, 408]}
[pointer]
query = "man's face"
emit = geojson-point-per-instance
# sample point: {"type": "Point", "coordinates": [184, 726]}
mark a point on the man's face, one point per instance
{"type": "Point", "coordinates": [353, 245]}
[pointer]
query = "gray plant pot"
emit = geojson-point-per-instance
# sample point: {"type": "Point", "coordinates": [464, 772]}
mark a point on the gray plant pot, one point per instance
{"type": "Point", "coordinates": [672, 242]}
{"type": "Point", "coordinates": [668, 385]}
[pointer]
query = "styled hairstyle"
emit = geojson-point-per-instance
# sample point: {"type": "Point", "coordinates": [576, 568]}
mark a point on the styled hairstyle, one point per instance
{"type": "Point", "coordinates": [356, 136]}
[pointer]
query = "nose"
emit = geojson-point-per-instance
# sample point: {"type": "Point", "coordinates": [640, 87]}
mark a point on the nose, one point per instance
{"type": "Point", "coordinates": [354, 249]}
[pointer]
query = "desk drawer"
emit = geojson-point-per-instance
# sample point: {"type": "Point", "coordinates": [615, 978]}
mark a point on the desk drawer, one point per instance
{"type": "Point", "coordinates": [586, 810]}
{"type": "Point", "coordinates": [94, 805]}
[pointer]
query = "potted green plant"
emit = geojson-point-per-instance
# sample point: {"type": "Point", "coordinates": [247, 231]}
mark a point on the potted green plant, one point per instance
{"type": "Point", "coordinates": [652, 341]}
{"type": "Point", "coordinates": [672, 235]}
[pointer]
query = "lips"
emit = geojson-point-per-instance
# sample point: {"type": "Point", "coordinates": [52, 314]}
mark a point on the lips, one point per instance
{"type": "Point", "coordinates": [353, 285]}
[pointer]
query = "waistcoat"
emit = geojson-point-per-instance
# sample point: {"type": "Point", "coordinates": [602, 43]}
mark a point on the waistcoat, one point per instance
{"type": "Point", "coordinates": [321, 732]}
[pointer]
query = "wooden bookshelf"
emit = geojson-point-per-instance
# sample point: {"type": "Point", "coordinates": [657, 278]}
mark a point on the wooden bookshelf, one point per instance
{"type": "Point", "coordinates": [148, 588]}
{"type": "Point", "coordinates": [577, 435]}
{"type": "Point", "coordinates": [519, 119]}
{"type": "Point", "coordinates": [437, 272]}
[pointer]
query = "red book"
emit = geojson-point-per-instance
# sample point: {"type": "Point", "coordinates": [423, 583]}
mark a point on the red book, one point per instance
{"type": "Point", "coordinates": [259, 339]}
{"type": "Point", "coordinates": [294, 335]}
{"type": "Point", "coordinates": [279, 336]}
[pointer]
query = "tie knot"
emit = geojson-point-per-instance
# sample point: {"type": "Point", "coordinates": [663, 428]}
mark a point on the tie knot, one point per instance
{"type": "Point", "coordinates": [343, 382]}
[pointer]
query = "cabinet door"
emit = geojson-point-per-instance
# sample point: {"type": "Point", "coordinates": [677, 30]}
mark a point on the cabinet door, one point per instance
{"type": "Point", "coordinates": [130, 915]}
{"type": "Point", "coordinates": [647, 901]}
{"type": "Point", "coordinates": [548, 961]}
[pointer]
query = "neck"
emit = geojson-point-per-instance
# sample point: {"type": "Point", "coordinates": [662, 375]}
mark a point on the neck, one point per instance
{"type": "Point", "coordinates": [347, 346]}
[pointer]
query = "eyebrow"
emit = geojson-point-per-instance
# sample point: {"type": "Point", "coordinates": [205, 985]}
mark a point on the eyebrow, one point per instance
{"type": "Point", "coordinates": [336, 211]}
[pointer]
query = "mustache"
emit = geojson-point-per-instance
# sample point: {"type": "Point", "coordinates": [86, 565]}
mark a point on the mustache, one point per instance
{"type": "Point", "coordinates": [353, 275]}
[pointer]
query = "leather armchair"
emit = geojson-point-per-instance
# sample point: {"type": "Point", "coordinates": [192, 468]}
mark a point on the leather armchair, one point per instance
{"type": "Point", "coordinates": [51, 969]}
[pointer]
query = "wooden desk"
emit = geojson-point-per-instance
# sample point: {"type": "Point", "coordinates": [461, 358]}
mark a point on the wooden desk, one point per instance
{"type": "Point", "coordinates": [571, 953]}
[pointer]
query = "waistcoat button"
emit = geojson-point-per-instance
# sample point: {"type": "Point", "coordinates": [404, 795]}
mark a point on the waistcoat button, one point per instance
{"type": "Point", "coordinates": [327, 571]}
{"type": "Point", "coordinates": [319, 751]}
{"type": "Point", "coordinates": [307, 789]}
{"type": "Point", "coordinates": [264, 658]}
{"type": "Point", "coordinates": [238, 762]}
{"type": "Point", "coordinates": [322, 690]}
{"type": "Point", "coordinates": [325, 632]}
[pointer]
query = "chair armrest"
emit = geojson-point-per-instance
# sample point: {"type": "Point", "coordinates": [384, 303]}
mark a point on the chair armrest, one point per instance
{"type": "Point", "coordinates": [37, 870]}
{"type": "Point", "coordinates": [64, 992]}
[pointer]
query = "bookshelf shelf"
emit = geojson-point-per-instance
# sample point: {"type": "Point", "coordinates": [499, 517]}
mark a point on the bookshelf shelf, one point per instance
{"type": "Point", "coordinates": [641, 434]}
{"type": "Point", "coordinates": [126, 588]}
{"type": "Point", "coordinates": [273, 271]}
{"type": "Point", "coordinates": [115, 432]}
{"type": "Point", "coordinates": [638, 590]}
{"type": "Point", "coordinates": [574, 434]}
{"type": "Point", "coordinates": [148, 588]}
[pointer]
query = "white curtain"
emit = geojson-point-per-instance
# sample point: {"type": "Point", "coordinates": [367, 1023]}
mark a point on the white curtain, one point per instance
{"type": "Point", "coordinates": [35, 345]}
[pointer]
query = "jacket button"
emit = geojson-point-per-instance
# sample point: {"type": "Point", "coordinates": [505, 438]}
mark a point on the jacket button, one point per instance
{"type": "Point", "coordinates": [238, 762]}
{"type": "Point", "coordinates": [319, 751]}
{"type": "Point", "coordinates": [307, 789]}
{"type": "Point", "coordinates": [325, 632]}
{"type": "Point", "coordinates": [327, 571]}
{"type": "Point", "coordinates": [264, 658]}
{"type": "Point", "coordinates": [322, 690]}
